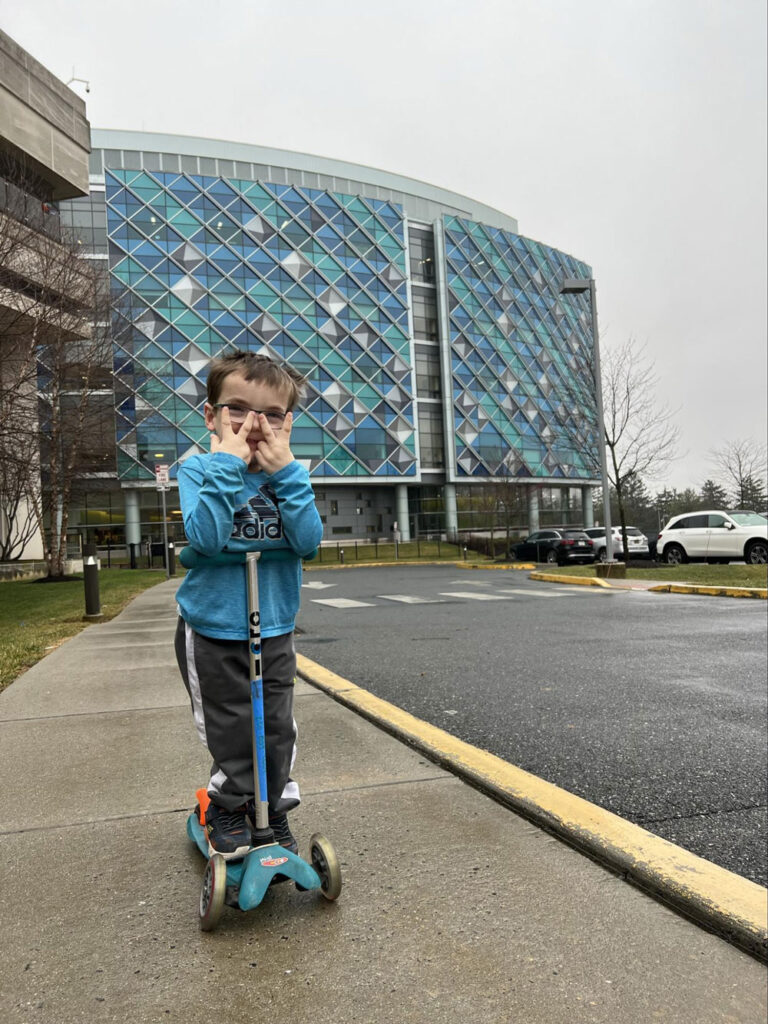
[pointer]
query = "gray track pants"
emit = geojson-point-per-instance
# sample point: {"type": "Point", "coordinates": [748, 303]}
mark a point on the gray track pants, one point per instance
{"type": "Point", "coordinates": [216, 674]}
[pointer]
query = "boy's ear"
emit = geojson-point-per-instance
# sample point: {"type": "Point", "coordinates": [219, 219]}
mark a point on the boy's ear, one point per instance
{"type": "Point", "coordinates": [210, 416]}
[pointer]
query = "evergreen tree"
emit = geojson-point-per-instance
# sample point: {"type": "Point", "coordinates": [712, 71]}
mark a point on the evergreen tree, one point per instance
{"type": "Point", "coordinates": [753, 494]}
{"type": "Point", "coordinates": [713, 495]}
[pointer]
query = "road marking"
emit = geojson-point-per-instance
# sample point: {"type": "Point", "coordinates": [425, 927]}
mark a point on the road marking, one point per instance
{"type": "Point", "coordinates": [410, 599]}
{"type": "Point", "coordinates": [475, 596]}
{"type": "Point", "coordinates": [341, 602]}
{"type": "Point", "coordinates": [317, 585]}
{"type": "Point", "coordinates": [529, 593]}
{"type": "Point", "coordinates": [583, 592]}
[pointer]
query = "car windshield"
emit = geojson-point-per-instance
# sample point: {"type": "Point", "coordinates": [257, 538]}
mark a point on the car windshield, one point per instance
{"type": "Point", "coordinates": [573, 533]}
{"type": "Point", "coordinates": [634, 532]}
{"type": "Point", "coordinates": [748, 518]}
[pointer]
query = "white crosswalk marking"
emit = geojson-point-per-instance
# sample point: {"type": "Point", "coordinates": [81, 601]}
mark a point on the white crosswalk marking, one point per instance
{"type": "Point", "coordinates": [317, 585]}
{"type": "Point", "coordinates": [529, 593]}
{"type": "Point", "coordinates": [583, 591]}
{"type": "Point", "coordinates": [410, 599]}
{"type": "Point", "coordinates": [475, 596]}
{"type": "Point", "coordinates": [341, 602]}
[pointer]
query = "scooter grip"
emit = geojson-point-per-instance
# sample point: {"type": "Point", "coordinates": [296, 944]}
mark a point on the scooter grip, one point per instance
{"type": "Point", "coordinates": [192, 559]}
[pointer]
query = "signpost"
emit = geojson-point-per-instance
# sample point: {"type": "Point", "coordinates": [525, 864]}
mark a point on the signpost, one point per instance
{"type": "Point", "coordinates": [163, 484]}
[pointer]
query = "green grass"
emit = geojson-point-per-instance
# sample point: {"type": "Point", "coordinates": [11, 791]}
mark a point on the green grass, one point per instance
{"type": "Point", "coordinates": [704, 575]}
{"type": "Point", "coordinates": [36, 617]}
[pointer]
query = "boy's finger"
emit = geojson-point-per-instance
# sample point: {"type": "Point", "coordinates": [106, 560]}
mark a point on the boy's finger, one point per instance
{"type": "Point", "coordinates": [287, 425]}
{"type": "Point", "coordinates": [266, 428]}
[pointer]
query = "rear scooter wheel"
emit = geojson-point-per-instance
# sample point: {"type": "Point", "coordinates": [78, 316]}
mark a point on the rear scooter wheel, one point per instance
{"type": "Point", "coordinates": [213, 892]}
{"type": "Point", "coordinates": [326, 864]}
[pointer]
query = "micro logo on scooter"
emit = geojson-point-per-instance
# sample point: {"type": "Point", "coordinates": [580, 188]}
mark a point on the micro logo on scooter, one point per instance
{"type": "Point", "coordinates": [272, 862]}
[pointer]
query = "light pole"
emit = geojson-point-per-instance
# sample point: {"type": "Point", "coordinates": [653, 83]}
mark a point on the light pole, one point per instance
{"type": "Point", "coordinates": [576, 286]}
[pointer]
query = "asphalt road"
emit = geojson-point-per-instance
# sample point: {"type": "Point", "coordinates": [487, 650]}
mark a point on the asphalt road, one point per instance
{"type": "Point", "coordinates": [651, 705]}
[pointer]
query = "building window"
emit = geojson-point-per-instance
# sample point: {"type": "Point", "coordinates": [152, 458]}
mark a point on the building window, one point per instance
{"type": "Point", "coordinates": [334, 508]}
{"type": "Point", "coordinates": [427, 372]}
{"type": "Point", "coordinates": [424, 314]}
{"type": "Point", "coordinates": [421, 246]}
{"type": "Point", "coordinates": [341, 529]}
{"type": "Point", "coordinates": [431, 443]}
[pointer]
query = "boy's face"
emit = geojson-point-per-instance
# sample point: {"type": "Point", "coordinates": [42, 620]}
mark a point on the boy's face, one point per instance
{"type": "Point", "coordinates": [241, 396]}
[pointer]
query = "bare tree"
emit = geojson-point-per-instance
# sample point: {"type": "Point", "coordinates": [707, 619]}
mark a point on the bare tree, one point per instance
{"type": "Point", "coordinates": [742, 464]}
{"type": "Point", "coordinates": [55, 369]}
{"type": "Point", "coordinates": [640, 434]}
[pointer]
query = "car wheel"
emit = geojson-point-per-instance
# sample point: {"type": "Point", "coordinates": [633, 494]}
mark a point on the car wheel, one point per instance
{"type": "Point", "coordinates": [674, 555]}
{"type": "Point", "coordinates": [756, 553]}
{"type": "Point", "coordinates": [600, 556]}
{"type": "Point", "coordinates": [551, 557]}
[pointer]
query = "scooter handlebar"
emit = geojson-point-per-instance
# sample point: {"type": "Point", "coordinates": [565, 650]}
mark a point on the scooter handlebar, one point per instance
{"type": "Point", "coordinates": [192, 559]}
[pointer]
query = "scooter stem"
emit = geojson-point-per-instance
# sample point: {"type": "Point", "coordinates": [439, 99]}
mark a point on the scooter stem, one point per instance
{"type": "Point", "coordinates": [257, 693]}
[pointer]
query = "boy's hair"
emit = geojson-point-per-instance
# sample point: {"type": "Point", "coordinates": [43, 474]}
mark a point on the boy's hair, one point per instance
{"type": "Point", "coordinates": [254, 366]}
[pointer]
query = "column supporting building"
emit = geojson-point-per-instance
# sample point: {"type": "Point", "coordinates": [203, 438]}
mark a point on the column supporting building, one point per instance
{"type": "Point", "coordinates": [451, 514]}
{"type": "Point", "coordinates": [403, 521]}
{"type": "Point", "coordinates": [132, 517]}
{"type": "Point", "coordinates": [587, 514]}
{"type": "Point", "coordinates": [533, 507]}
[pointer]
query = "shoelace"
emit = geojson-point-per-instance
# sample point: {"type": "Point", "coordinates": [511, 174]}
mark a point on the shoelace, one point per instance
{"type": "Point", "coordinates": [281, 830]}
{"type": "Point", "coordinates": [230, 821]}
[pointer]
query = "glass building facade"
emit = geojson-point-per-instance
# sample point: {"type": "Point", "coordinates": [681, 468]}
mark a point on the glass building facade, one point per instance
{"type": "Point", "coordinates": [439, 354]}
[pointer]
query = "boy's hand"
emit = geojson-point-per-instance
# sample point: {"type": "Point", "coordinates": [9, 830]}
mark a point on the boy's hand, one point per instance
{"type": "Point", "coordinates": [234, 443]}
{"type": "Point", "coordinates": [274, 450]}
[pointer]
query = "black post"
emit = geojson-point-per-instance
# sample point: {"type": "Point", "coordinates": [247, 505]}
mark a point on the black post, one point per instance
{"type": "Point", "coordinates": [109, 553]}
{"type": "Point", "coordinates": [171, 559]}
{"type": "Point", "coordinates": [91, 577]}
{"type": "Point", "coordinates": [132, 549]}
{"type": "Point", "coordinates": [341, 556]}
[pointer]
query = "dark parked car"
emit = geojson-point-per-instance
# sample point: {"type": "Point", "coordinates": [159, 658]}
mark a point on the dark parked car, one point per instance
{"type": "Point", "coordinates": [558, 547]}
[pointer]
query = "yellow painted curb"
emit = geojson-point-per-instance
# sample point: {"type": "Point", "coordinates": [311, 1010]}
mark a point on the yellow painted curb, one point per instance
{"type": "Point", "coordinates": [580, 581]}
{"type": "Point", "coordinates": [691, 588]}
{"type": "Point", "coordinates": [620, 583]}
{"type": "Point", "coordinates": [725, 902]}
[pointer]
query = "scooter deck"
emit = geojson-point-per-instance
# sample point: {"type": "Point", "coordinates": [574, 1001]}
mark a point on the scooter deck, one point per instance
{"type": "Point", "coordinates": [253, 875]}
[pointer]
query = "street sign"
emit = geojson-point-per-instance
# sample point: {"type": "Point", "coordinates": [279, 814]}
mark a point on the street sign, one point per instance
{"type": "Point", "coordinates": [162, 480]}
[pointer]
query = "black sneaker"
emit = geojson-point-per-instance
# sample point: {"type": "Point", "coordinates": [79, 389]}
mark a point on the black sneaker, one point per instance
{"type": "Point", "coordinates": [228, 832]}
{"type": "Point", "coordinates": [283, 835]}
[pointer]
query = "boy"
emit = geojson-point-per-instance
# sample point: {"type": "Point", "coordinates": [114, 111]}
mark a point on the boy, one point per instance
{"type": "Point", "coordinates": [249, 493]}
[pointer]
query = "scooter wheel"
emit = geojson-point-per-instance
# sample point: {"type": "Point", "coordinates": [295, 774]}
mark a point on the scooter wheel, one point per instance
{"type": "Point", "coordinates": [213, 892]}
{"type": "Point", "coordinates": [326, 864]}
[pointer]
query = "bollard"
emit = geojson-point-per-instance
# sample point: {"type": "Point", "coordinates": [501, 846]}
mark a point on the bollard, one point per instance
{"type": "Point", "coordinates": [171, 560]}
{"type": "Point", "coordinates": [465, 552]}
{"type": "Point", "coordinates": [91, 577]}
{"type": "Point", "coordinates": [133, 554]}
{"type": "Point", "coordinates": [341, 556]}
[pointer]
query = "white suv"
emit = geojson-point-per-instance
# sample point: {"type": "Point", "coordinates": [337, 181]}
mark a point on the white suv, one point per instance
{"type": "Point", "coordinates": [638, 542]}
{"type": "Point", "coordinates": [714, 536]}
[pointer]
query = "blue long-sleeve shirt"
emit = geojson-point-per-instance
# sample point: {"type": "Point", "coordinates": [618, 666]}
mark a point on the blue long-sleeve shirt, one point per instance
{"type": "Point", "coordinates": [226, 508]}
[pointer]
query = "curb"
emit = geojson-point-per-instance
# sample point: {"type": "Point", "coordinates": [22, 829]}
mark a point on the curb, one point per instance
{"type": "Point", "coordinates": [659, 588]}
{"type": "Point", "coordinates": [580, 581]}
{"type": "Point", "coordinates": [690, 588]}
{"type": "Point", "coordinates": [312, 566]}
{"type": "Point", "coordinates": [722, 901]}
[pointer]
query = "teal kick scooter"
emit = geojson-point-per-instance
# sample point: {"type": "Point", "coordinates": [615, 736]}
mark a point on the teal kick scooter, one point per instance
{"type": "Point", "coordinates": [243, 883]}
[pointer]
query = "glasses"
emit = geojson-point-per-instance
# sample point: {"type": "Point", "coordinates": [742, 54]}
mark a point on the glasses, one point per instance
{"type": "Point", "coordinates": [237, 414]}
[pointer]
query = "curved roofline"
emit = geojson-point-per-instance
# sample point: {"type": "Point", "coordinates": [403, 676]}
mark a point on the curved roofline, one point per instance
{"type": "Point", "coordinates": [190, 145]}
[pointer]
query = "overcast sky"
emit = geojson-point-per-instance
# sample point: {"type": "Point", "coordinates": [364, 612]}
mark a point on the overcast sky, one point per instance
{"type": "Point", "coordinates": [630, 133]}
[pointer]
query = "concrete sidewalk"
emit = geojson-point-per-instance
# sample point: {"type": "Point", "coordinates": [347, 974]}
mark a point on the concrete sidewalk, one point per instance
{"type": "Point", "coordinates": [453, 907]}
